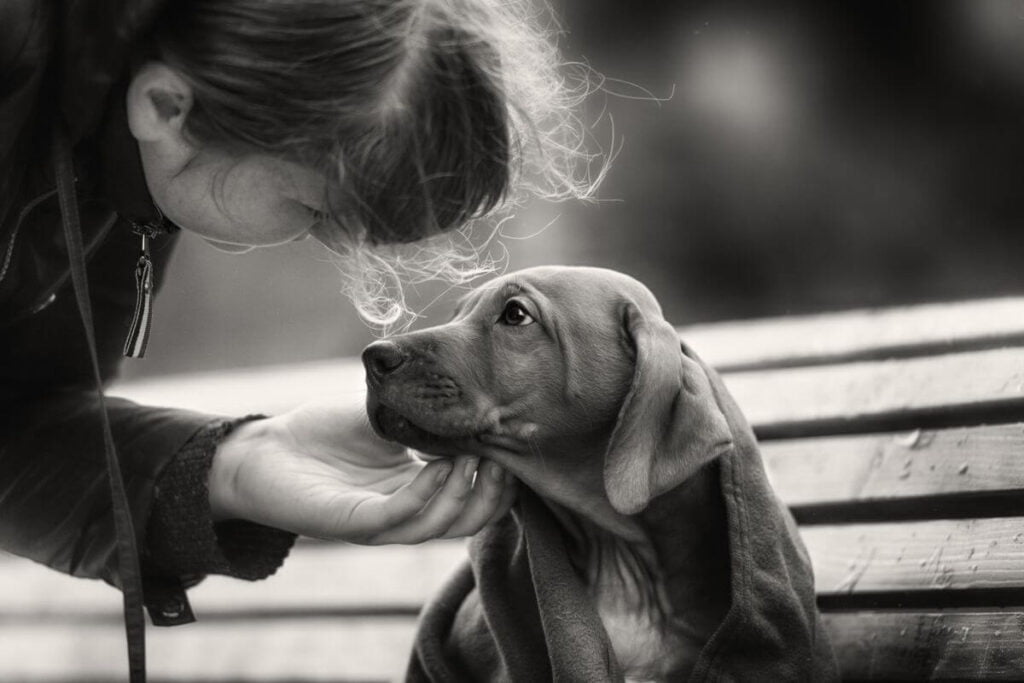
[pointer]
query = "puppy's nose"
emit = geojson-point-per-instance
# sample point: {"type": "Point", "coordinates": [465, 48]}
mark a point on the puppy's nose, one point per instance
{"type": "Point", "coordinates": [382, 358]}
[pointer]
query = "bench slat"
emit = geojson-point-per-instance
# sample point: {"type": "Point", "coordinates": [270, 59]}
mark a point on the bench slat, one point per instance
{"type": "Point", "coordinates": [364, 649]}
{"type": "Point", "coordinates": [864, 558]}
{"type": "Point", "coordinates": [907, 556]}
{"type": "Point", "coordinates": [896, 465]}
{"type": "Point", "coordinates": [769, 342]}
{"type": "Point", "coordinates": [849, 335]}
{"type": "Point", "coordinates": [949, 645]}
{"type": "Point", "coordinates": [833, 399]}
{"type": "Point", "coordinates": [893, 645]}
{"type": "Point", "coordinates": [269, 389]}
{"type": "Point", "coordinates": [315, 577]}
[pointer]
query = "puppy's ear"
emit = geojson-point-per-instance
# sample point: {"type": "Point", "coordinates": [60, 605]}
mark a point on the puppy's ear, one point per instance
{"type": "Point", "coordinates": [669, 425]}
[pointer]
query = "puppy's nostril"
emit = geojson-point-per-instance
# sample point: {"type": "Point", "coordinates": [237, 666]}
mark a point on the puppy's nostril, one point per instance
{"type": "Point", "coordinates": [382, 357]}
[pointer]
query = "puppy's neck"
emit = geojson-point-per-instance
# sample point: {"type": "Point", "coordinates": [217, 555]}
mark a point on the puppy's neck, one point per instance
{"type": "Point", "coordinates": [565, 472]}
{"type": "Point", "coordinates": [662, 595]}
{"type": "Point", "coordinates": [625, 568]}
{"type": "Point", "coordinates": [681, 552]}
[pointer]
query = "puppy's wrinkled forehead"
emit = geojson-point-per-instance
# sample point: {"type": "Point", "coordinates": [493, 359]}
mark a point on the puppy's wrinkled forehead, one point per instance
{"type": "Point", "coordinates": [575, 290]}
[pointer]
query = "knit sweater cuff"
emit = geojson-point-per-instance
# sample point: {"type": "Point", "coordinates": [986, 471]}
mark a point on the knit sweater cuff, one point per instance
{"type": "Point", "coordinates": [182, 540]}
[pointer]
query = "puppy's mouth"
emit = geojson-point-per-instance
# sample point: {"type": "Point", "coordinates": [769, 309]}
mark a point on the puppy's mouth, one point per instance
{"type": "Point", "coordinates": [395, 425]}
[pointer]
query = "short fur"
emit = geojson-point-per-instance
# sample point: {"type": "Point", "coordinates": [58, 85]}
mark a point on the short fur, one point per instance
{"type": "Point", "coordinates": [572, 380]}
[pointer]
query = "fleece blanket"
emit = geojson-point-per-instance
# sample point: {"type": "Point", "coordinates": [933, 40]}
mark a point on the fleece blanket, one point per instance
{"type": "Point", "coordinates": [517, 611]}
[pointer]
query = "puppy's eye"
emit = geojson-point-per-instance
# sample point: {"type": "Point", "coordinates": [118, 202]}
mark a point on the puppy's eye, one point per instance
{"type": "Point", "coordinates": [515, 314]}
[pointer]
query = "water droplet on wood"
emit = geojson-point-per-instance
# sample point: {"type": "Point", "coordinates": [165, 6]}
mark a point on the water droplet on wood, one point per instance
{"type": "Point", "coordinates": [910, 440]}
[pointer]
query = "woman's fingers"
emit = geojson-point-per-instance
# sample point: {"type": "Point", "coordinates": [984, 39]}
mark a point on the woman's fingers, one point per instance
{"type": "Point", "coordinates": [508, 498]}
{"type": "Point", "coordinates": [483, 503]}
{"type": "Point", "coordinates": [440, 513]}
{"type": "Point", "coordinates": [442, 501]}
{"type": "Point", "coordinates": [375, 515]}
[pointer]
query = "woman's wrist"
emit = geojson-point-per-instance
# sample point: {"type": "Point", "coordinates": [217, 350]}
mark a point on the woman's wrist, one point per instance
{"type": "Point", "coordinates": [225, 499]}
{"type": "Point", "coordinates": [182, 537]}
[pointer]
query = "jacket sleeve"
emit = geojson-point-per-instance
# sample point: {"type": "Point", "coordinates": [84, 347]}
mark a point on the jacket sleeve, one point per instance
{"type": "Point", "coordinates": [54, 497]}
{"type": "Point", "coordinates": [55, 502]}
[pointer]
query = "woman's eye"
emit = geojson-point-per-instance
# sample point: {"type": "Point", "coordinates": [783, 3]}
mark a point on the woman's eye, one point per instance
{"type": "Point", "coordinates": [315, 213]}
{"type": "Point", "coordinates": [515, 314]}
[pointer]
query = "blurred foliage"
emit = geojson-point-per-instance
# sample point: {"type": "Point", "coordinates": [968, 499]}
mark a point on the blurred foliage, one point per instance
{"type": "Point", "coordinates": [809, 155]}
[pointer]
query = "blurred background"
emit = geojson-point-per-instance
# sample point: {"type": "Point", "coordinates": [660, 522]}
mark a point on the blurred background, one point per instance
{"type": "Point", "coordinates": [776, 158]}
{"type": "Point", "coordinates": [773, 158]}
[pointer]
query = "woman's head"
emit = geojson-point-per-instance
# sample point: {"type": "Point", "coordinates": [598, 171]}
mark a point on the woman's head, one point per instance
{"type": "Point", "coordinates": [376, 121]}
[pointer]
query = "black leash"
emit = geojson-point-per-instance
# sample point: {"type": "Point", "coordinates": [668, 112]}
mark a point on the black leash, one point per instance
{"type": "Point", "coordinates": [127, 552]}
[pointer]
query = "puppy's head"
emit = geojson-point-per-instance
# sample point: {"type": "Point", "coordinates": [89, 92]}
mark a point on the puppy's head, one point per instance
{"type": "Point", "coordinates": [569, 377]}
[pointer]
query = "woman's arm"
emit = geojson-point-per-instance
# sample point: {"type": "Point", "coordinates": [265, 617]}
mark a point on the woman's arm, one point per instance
{"type": "Point", "coordinates": [54, 494]}
{"type": "Point", "coordinates": [54, 497]}
{"type": "Point", "coordinates": [191, 478]}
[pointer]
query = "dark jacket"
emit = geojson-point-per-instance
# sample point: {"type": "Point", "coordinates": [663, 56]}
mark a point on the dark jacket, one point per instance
{"type": "Point", "coordinates": [69, 60]}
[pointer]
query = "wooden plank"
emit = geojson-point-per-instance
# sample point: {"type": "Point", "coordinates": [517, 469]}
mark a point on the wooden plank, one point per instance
{"type": "Point", "coordinates": [351, 648]}
{"type": "Point", "coordinates": [770, 398]}
{"type": "Point", "coordinates": [270, 389]}
{"type": "Point", "coordinates": [896, 645]}
{"type": "Point", "coordinates": [896, 465]}
{"type": "Point", "coordinates": [893, 645]}
{"type": "Point", "coordinates": [339, 580]}
{"type": "Point", "coordinates": [293, 650]}
{"type": "Point", "coordinates": [938, 645]}
{"type": "Point", "coordinates": [944, 555]}
{"type": "Point", "coordinates": [832, 337]}
{"type": "Point", "coordinates": [790, 401]}
{"type": "Point", "coordinates": [315, 577]}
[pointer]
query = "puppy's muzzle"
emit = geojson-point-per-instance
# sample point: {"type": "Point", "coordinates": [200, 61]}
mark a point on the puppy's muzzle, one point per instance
{"type": "Point", "coordinates": [382, 358]}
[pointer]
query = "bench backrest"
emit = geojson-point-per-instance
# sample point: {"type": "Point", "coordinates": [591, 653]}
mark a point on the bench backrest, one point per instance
{"type": "Point", "coordinates": [896, 437]}
{"type": "Point", "coordinates": [897, 440]}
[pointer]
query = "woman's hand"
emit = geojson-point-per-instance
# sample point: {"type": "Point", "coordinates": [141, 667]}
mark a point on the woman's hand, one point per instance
{"type": "Point", "coordinates": [321, 471]}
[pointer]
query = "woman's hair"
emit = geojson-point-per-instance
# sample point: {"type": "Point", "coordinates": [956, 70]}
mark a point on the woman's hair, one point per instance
{"type": "Point", "coordinates": [424, 115]}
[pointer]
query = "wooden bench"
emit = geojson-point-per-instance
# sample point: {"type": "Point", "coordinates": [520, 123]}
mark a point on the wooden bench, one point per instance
{"type": "Point", "coordinates": [896, 436]}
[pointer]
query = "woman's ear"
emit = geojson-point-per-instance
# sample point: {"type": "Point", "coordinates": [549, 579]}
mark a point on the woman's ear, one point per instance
{"type": "Point", "coordinates": [158, 102]}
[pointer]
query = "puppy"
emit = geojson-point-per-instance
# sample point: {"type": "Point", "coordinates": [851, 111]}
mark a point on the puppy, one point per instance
{"type": "Point", "coordinates": [648, 545]}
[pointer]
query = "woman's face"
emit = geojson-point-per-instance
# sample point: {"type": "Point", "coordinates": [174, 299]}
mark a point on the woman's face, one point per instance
{"type": "Point", "coordinates": [234, 201]}
{"type": "Point", "coordinates": [237, 202]}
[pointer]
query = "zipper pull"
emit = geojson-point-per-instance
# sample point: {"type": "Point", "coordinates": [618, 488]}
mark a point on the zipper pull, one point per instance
{"type": "Point", "coordinates": [138, 333]}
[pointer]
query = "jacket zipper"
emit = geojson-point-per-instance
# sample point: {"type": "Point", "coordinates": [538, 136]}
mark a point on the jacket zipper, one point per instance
{"type": "Point", "coordinates": [142, 318]}
{"type": "Point", "coordinates": [139, 330]}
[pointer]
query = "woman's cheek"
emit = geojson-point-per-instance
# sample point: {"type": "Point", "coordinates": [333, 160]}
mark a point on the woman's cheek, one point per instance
{"type": "Point", "coordinates": [236, 203]}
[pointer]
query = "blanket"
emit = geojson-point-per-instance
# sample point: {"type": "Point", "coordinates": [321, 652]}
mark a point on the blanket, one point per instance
{"type": "Point", "coordinates": [517, 611]}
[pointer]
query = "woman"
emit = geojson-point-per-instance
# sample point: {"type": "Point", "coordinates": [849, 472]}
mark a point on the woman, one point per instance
{"type": "Point", "coordinates": [361, 123]}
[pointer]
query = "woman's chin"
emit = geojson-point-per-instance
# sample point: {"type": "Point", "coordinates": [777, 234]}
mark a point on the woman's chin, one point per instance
{"type": "Point", "coordinates": [228, 247]}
